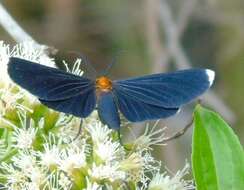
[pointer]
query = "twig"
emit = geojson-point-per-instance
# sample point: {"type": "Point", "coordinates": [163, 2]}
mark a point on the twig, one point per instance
{"type": "Point", "coordinates": [185, 15]}
{"type": "Point", "coordinates": [12, 27]}
{"type": "Point", "coordinates": [179, 133]}
{"type": "Point", "coordinates": [172, 36]}
{"type": "Point", "coordinates": [181, 60]}
{"type": "Point", "coordinates": [159, 54]}
{"type": "Point", "coordinates": [18, 33]}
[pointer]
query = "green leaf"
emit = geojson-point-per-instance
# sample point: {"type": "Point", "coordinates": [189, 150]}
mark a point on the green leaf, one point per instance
{"type": "Point", "coordinates": [217, 155]}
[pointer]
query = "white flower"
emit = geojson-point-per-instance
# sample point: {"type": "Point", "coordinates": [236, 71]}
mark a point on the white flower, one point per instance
{"type": "Point", "coordinates": [50, 156]}
{"type": "Point", "coordinates": [23, 171]}
{"type": "Point", "coordinates": [58, 181]}
{"type": "Point", "coordinates": [4, 57]}
{"type": "Point", "coordinates": [133, 162]}
{"type": "Point", "coordinates": [108, 150]}
{"type": "Point", "coordinates": [134, 167]}
{"type": "Point", "coordinates": [27, 163]}
{"type": "Point", "coordinates": [14, 179]}
{"type": "Point", "coordinates": [9, 99]}
{"type": "Point", "coordinates": [68, 127]}
{"type": "Point", "coordinates": [76, 68]}
{"type": "Point", "coordinates": [151, 136]}
{"type": "Point", "coordinates": [72, 157]}
{"type": "Point", "coordinates": [24, 161]}
{"type": "Point", "coordinates": [31, 52]}
{"type": "Point", "coordinates": [31, 186]}
{"type": "Point", "coordinates": [64, 181]}
{"type": "Point", "coordinates": [92, 186]}
{"type": "Point", "coordinates": [25, 135]}
{"type": "Point", "coordinates": [3, 148]}
{"type": "Point", "coordinates": [138, 164]}
{"type": "Point", "coordinates": [26, 50]}
{"type": "Point", "coordinates": [109, 172]}
{"type": "Point", "coordinates": [37, 177]}
{"type": "Point", "coordinates": [98, 131]}
{"type": "Point", "coordinates": [163, 181]}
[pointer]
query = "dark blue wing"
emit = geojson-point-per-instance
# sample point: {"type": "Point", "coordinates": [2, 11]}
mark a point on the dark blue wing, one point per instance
{"type": "Point", "coordinates": [80, 106]}
{"type": "Point", "coordinates": [169, 90]}
{"type": "Point", "coordinates": [135, 110]}
{"type": "Point", "coordinates": [47, 83]}
{"type": "Point", "coordinates": [108, 110]}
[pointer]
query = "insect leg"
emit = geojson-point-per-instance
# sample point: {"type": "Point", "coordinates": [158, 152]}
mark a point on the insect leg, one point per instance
{"type": "Point", "coordinates": [119, 137]}
{"type": "Point", "coordinates": [79, 131]}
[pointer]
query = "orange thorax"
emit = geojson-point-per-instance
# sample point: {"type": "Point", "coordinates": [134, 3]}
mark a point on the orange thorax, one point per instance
{"type": "Point", "coordinates": [103, 84]}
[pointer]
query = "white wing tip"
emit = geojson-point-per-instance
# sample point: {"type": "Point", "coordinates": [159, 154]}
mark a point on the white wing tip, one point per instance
{"type": "Point", "coordinates": [211, 76]}
{"type": "Point", "coordinates": [178, 111]}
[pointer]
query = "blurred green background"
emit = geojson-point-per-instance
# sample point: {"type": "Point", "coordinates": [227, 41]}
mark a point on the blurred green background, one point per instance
{"type": "Point", "coordinates": [152, 34]}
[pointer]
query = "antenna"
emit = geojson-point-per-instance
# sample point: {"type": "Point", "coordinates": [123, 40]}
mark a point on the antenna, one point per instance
{"type": "Point", "coordinates": [86, 61]}
{"type": "Point", "coordinates": [113, 62]}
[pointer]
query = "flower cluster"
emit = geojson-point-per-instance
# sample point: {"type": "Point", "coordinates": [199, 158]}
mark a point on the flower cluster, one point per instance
{"type": "Point", "coordinates": [40, 149]}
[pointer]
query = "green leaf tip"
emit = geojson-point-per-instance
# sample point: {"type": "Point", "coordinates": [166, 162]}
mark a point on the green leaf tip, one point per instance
{"type": "Point", "coordinates": [217, 155]}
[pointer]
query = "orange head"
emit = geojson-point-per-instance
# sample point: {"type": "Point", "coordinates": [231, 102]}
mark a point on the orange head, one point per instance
{"type": "Point", "coordinates": [103, 84]}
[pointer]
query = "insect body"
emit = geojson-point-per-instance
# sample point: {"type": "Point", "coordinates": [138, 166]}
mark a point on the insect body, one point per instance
{"type": "Point", "coordinates": [103, 84]}
{"type": "Point", "coordinates": [138, 99]}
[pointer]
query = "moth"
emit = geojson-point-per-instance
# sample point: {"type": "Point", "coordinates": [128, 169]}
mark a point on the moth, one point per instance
{"type": "Point", "coordinates": [142, 98]}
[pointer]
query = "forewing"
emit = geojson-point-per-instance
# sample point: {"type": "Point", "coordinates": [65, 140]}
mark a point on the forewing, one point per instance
{"type": "Point", "coordinates": [80, 106]}
{"type": "Point", "coordinates": [136, 110]}
{"type": "Point", "coordinates": [47, 83]}
{"type": "Point", "coordinates": [169, 90]}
